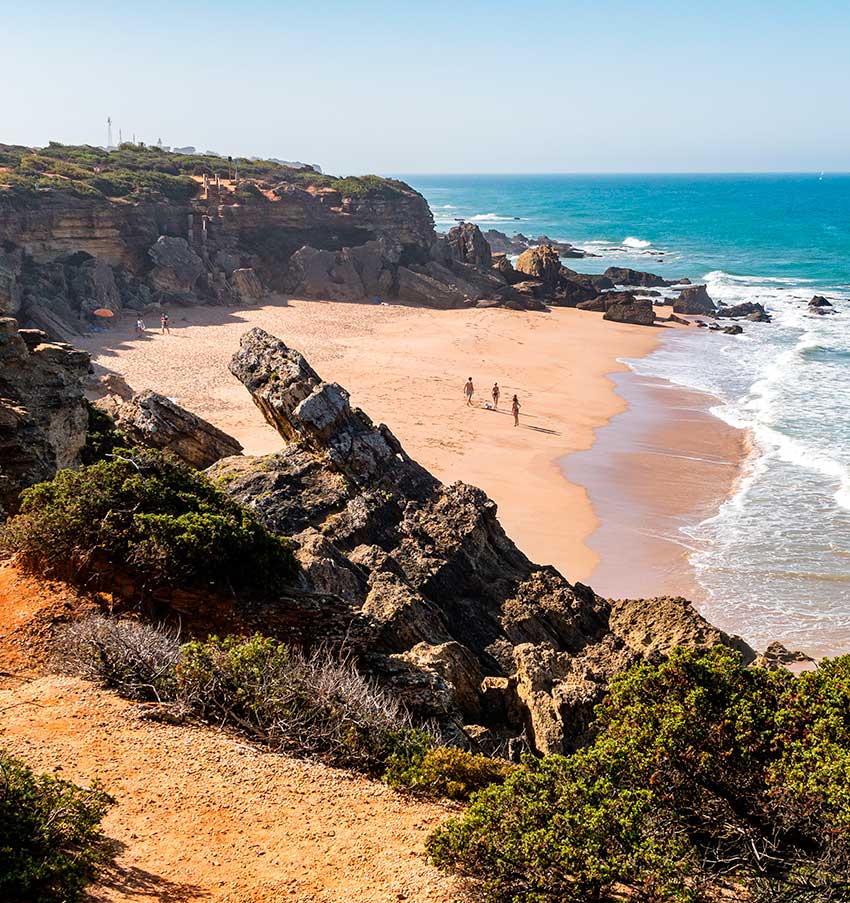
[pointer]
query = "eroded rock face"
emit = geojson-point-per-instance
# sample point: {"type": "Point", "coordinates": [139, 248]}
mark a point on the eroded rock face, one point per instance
{"type": "Point", "coordinates": [43, 417]}
{"type": "Point", "coordinates": [246, 283]}
{"type": "Point", "coordinates": [177, 267]}
{"type": "Point", "coordinates": [152, 420]}
{"type": "Point", "coordinates": [695, 300]}
{"type": "Point", "coordinates": [542, 263]}
{"type": "Point", "coordinates": [440, 604]}
{"type": "Point", "coordinates": [468, 245]}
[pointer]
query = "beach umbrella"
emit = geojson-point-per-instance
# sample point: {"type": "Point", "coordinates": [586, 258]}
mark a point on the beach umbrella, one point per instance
{"type": "Point", "coordinates": [103, 312]}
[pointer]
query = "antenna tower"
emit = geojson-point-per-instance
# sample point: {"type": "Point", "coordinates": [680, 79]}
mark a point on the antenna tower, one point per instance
{"type": "Point", "coordinates": [108, 132]}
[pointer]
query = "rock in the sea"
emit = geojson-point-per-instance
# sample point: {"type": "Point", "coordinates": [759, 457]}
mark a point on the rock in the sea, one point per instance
{"type": "Point", "coordinates": [541, 263]}
{"type": "Point", "coordinates": [626, 276]}
{"type": "Point", "coordinates": [734, 329]}
{"type": "Point", "coordinates": [694, 299]}
{"type": "Point", "coordinates": [759, 316]}
{"type": "Point", "coordinates": [152, 420]}
{"type": "Point", "coordinates": [745, 309]}
{"type": "Point", "coordinates": [43, 414]}
{"type": "Point", "coordinates": [820, 305]}
{"type": "Point", "coordinates": [177, 267]}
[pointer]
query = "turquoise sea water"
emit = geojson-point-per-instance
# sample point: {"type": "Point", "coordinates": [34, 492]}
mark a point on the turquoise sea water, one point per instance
{"type": "Point", "coordinates": [775, 561]}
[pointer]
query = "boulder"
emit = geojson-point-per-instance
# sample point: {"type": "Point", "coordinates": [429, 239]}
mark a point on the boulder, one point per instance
{"type": "Point", "coordinates": [541, 263]}
{"type": "Point", "coordinates": [734, 329]}
{"type": "Point", "coordinates": [638, 311]}
{"type": "Point", "coordinates": [247, 284]}
{"type": "Point", "coordinates": [152, 420]}
{"type": "Point", "coordinates": [694, 299]}
{"type": "Point", "coordinates": [505, 269]}
{"type": "Point", "coordinates": [759, 316]}
{"type": "Point", "coordinates": [680, 320]}
{"type": "Point", "coordinates": [177, 268]}
{"type": "Point", "coordinates": [468, 245]}
{"type": "Point", "coordinates": [43, 413]}
{"type": "Point", "coordinates": [603, 301]}
{"type": "Point", "coordinates": [745, 309]}
{"type": "Point", "coordinates": [819, 301]}
{"type": "Point", "coordinates": [626, 276]}
{"type": "Point", "coordinates": [422, 288]}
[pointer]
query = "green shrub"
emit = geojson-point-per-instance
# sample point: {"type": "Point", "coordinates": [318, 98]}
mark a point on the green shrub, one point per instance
{"type": "Point", "coordinates": [147, 516]}
{"type": "Point", "coordinates": [703, 774]}
{"type": "Point", "coordinates": [51, 843]}
{"type": "Point", "coordinates": [101, 436]}
{"type": "Point", "coordinates": [448, 772]}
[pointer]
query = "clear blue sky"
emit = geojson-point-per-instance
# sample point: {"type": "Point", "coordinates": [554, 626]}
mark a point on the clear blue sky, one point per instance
{"type": "Point", "coordinates": [461, 86]}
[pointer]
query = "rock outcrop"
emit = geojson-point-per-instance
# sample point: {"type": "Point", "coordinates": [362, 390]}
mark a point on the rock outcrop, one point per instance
{"type": "Point", "coordinates": [177, 268]}
{"type": "Point", "coordinates": [152, 420]}
{"type": "Point", "coordinates": [43, 414]}
{"type": "Point", "coordinates": [626, 276]}
{"type": "Point", "coordinates": [246, 284]}
{"type": "Point", "coordinates": [419, 579]}
{"type": "Point", "coordinates": [694, 300]}
{"type": "Point", "coordinates": [541, 263]}
{"type": "Point", "coordinates": [468, 245]}
{"type": "Point", "coordinates": [745, 309]}
{"type": "Point", "coordinates": [638, 311]}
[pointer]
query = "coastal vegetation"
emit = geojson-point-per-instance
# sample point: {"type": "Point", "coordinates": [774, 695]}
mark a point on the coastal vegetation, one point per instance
{"type": "Point", "coordinates": [136, 172]}
{"type": "Point", "coordinates": [308, 704]}
{"type": "Point", "coordinates": [51, 841]}
{"type": "Point", "coordinates": [155, 520]}
{"type": "Point", "coordinates": [704, 777]}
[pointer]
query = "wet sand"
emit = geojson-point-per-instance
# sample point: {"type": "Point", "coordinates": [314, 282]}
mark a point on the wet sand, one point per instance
{"type": "Point", "coordinates": [662, 465]}
{"type": "Point", "coordinates": [406, 367]}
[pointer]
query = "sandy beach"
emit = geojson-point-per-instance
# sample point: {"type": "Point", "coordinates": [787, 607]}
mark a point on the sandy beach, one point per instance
{"type": "Point", "coordinates": [407, 367]}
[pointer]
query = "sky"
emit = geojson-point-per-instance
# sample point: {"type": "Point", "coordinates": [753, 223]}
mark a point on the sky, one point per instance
{"type": "Point", "coordinates": [439, 87]}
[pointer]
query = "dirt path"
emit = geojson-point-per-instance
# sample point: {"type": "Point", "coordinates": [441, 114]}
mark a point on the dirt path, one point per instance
{"type": "Point", "coordinates": [201, 815]}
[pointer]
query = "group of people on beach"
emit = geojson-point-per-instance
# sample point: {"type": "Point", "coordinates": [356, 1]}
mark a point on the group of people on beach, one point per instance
{"type": "Point", "coordinates": [164, 328]}
{"type": "Point", "coordinates": [496, 393]}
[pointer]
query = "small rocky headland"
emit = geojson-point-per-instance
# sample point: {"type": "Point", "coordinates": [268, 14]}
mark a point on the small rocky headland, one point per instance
{"type": "Point", "coordinates": [323, 674]}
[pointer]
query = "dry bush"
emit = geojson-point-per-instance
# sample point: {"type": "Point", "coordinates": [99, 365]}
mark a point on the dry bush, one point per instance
{"type": "Point", "coordinates": [138, 660]}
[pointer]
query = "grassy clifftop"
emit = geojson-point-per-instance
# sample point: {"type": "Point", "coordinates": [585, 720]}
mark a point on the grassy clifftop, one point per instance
{"type": "Point", "coordinates": [136, 172]}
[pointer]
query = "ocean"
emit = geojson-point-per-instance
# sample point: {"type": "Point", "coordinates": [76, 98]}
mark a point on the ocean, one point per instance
{"type": "Point", "coordinates": [774, 562]}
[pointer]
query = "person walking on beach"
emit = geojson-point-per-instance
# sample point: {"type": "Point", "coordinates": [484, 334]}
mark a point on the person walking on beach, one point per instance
{"type": "Point", "coordinates": [515, 406]}
{"type": "Point", "coordinates": [140, 326]}
{"type": "Point", "coordinates": [469, 391]}
{"type": "Point", "coordinates": [163, 323]}
{"type": "Point", "coordinates": [496, 394]}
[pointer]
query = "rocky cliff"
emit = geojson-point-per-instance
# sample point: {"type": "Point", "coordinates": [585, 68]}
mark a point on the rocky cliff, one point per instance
{"type": "Point", "coordinates": [43, 417]}
{"type": "Point", "coordinates": [420, 579]}
{"type": "Point", "coordinates": [83, 237]}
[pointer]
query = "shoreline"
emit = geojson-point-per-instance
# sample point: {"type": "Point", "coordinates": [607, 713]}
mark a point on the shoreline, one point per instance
{"type": "Point", "coordinates": [406, 367]}
{"type": "Point", "coordinates": [645, 507]}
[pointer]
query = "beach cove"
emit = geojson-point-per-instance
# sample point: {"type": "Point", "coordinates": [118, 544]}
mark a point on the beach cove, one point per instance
{"type": "Point", "coordinates": [407, 366]}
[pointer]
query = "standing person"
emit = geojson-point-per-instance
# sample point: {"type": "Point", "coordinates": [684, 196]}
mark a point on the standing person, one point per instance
{"type": "Point", "coordinates": [469, 391]}
{"type": "Point", "coordinates": [140, 326]}
{"type": "Point", "coordinates": [515, 406]}
{"type": "Point", "coordinates": [163, 322]}
{"type": "Point", "coordinates": [496, 394]}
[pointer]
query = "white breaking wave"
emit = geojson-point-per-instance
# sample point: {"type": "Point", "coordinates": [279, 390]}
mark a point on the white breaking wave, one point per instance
{"type": "Point", "coordinates": [492, 218]}
{"type": "Point", "coordinates": [638, 244]}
